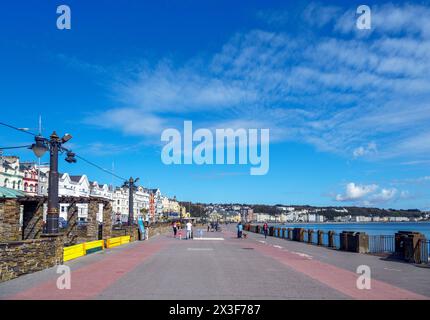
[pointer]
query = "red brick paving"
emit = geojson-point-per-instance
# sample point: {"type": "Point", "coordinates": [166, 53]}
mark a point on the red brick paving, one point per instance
{"type": "Point", "coordinates": [337, 278]}
{"type": "Point", "coordinates": [90, 280]}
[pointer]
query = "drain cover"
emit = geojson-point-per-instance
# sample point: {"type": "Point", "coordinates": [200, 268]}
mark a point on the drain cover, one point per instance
{"type": "Point", "coordinates": [248, 248]}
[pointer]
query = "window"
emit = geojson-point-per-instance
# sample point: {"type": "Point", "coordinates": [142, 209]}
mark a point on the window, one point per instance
{"type": "Point", "coordinates": [13, 185]}
{"type": "Point", "coordinates": [25, 186]}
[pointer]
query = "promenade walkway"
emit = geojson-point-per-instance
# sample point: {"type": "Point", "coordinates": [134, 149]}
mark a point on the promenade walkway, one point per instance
{"type": "Point", "coordinates": [223, 268]}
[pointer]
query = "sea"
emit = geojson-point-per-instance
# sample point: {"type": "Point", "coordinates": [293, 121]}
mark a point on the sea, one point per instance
{"type": "Point", "coordinates": [371, 228]}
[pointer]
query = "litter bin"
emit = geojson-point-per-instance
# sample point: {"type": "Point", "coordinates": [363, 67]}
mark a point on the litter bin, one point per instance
{"type": "Point", "coordinates": [357, 242]}
{"type": "Point", "coordinates": [343, 239]}
{"type": "Point", "coordinates": [298, 234]}
{"type": "Point", "coordinates": [354, 241]}
{"type": "Point", "coordinates": [408, 245]}
{"type": "Point", "coordinates": [413, 248]}
{"type": "Point", "coordinates": [399, 242]}
{"type": "Point", "coordinates": [360, 243]}
{"type": "Point", "coordinates": [273, 231]}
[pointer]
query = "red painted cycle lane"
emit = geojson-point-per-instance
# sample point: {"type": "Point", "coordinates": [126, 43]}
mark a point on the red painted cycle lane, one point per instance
{"type": "Point", "coordinates": [334, 277]}
{"type": "Point", "coordinates": [89, 281]}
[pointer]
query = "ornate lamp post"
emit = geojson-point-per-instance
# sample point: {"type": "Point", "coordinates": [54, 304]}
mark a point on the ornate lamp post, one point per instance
{"type": "Point", "coordinates": [130, 184]}
{"type": "Point", "coordinates": [54, 145]}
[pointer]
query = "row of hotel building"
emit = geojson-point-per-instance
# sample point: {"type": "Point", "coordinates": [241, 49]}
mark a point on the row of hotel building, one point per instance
{"type": "Point", "coordinates": [297, 215]}
{"type": "Point", "coordinates": [32, 179]}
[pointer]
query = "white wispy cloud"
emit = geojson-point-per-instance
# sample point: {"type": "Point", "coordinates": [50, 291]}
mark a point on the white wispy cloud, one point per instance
{"type": "Point", "coordinates": [318, 14]}
{"type": "Point", "coordinates": [133, 121]}
{"type": "Point", "coordinates": [384, 195]}
{"type": "Point", "coordinates": [340, 92]}
{"type": "Point", "coordinates": [107, 149]}
{"type": "Point", "coordinates": [361, 151]}
{"type": "Point", "coordinates": [413, 181]}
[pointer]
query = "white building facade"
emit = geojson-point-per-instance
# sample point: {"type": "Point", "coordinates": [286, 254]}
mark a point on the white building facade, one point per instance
{"type": "Point", "coordinates": [74, 186]}
{"type": "Point", "coordinates": [10, 174]}
{"type": "Point", "coordinates": [120, 203]}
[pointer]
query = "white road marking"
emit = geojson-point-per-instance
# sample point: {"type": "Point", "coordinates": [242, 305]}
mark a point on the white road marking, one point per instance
{"type": "Point", "coordinates": [389, 269]}
{"type": "Point", "coordinates": [276, 246]}
{"type": "Point", "coordinates": [216, 239]}
{"type": "Point", "coordinates": [304, 255]}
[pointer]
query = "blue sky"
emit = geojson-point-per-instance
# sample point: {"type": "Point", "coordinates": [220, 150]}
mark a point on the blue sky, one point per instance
{"type": "Point", "coordinates": [348, 110]}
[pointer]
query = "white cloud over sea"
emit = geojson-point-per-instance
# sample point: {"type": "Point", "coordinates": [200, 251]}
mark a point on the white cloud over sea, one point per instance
{"type": "Point", "coordinates": [370, 194]}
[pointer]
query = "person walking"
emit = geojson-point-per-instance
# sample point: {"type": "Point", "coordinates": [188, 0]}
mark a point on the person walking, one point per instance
{"type": "Point", "coordinates": [209, 227]}
{"type": "Point", "coordinates": [265, 229]}
{"type": "Point", "coordinates": [175, 229]}
{"type": "Point", "coordinates": [189, 229]}
{"type": "Point", "coordinates": [239, 229]}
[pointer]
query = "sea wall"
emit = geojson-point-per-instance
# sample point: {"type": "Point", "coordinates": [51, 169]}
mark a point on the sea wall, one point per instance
{"type": "Point", "coordinates": [9, 220]}
{"type": "Point", "coordinates": [27, 256]}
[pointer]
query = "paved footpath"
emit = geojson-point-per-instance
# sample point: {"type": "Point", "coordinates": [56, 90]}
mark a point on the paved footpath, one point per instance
{"type": "Point", "coordinates": [253, 268]}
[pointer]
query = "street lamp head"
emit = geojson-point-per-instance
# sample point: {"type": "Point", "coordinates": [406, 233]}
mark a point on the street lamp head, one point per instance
{"type": "Point", "coordinates": [70, 157]}
{"type": "Point", "coordinates": [39, 147]}
{"type": "Point", "coordinates": [66, 138]}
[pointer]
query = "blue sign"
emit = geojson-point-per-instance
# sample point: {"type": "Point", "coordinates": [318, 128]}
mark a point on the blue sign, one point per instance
{"type": "Point", "coordinates": [141, 227]}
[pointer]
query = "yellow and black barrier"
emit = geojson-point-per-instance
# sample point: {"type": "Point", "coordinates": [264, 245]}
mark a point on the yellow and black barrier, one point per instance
{"type": "Point", "coordinates": [94, 246]}
{"type": "Point", "coordinates": [114, 242]}
{"type": "Point", "coordinates": [73, 252]}
{"type": "Point", "coordinates": [85, 248]}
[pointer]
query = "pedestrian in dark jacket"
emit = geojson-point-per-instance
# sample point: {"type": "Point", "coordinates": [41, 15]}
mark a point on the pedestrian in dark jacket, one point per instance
{"type": "Point", "coordinates": [265, 229]}
{"type": "Point", "coordinates": [239, 230]}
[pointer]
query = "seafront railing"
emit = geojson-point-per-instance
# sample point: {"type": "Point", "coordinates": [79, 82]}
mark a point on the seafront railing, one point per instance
{"type": "Point", "coordinates": [381, 244]}
{"type": "Point", "coordinates": [408, 245]}
{"type": "Point", "coordinates": [386, 244]}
